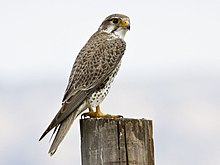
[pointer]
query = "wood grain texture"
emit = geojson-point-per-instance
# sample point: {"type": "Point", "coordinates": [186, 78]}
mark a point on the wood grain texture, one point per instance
{"type": "Point", "coordinates": [116, 141]}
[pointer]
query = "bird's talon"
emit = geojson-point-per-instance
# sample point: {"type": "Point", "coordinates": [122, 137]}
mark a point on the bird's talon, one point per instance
{"type": "Point", "coordinates": [98, 114]}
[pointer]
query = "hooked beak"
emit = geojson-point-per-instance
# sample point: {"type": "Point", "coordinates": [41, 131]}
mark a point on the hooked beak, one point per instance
{"type": "Point", "coordinates": [126, 24]}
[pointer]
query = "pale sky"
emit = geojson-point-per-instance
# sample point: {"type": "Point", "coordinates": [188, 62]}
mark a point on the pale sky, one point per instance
{"type": "Point", "coordinates": [170, 74]}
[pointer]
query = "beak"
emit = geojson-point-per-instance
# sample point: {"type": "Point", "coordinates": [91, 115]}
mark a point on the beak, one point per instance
{"type": "Point", "coordinates": [126, 24]}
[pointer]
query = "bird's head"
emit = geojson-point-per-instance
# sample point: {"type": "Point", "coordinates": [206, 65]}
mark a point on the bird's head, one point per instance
{"type": "Point", "coordinates": [117, 24]}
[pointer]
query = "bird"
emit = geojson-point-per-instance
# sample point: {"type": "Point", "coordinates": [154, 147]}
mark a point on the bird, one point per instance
{"type": "Point", "coordinates": [91, 77]}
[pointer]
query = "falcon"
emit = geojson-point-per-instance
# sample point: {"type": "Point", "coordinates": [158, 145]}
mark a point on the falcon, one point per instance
{"type": "Point", "coordinates": [92, 74]}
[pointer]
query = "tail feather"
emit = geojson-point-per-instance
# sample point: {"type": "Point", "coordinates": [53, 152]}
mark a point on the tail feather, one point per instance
{"type": "Point", "coordinates": [62, 131]}
{"type": "Point", "coordinates": [64, 128]}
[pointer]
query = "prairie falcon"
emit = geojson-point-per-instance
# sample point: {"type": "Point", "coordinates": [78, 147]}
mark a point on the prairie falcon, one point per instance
{"type": "Point", "coordinates": [92, 74]}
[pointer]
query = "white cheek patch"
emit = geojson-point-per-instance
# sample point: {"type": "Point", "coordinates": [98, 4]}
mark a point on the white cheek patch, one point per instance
{"type": "Point", "coordinates": [120, 32]}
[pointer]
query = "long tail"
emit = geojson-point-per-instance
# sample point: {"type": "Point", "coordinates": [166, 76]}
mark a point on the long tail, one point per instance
{"type": "Point", "coordinates": [64, 128]}
{"type": "Point", "coordinates": [62, 131]}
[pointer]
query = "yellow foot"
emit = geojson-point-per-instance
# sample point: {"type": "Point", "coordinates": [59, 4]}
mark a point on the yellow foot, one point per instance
{"type": "Point", "coordinates": [98, 114]}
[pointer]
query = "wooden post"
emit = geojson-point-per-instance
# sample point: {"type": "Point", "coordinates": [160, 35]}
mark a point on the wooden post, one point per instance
{"type": "Point", "coordinates": [116, 141]}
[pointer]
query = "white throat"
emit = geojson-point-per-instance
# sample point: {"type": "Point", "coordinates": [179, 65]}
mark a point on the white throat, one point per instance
{"type": "Point", "coordinates": [118, 33]}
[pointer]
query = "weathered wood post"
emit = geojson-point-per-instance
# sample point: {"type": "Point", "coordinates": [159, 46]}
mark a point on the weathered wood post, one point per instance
{"type": "Point", "coordinates": [116, 141]}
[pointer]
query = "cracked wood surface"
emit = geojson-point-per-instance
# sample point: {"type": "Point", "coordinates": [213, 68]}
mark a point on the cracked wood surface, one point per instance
{"type": "Point", "coordinates": [116, 141]}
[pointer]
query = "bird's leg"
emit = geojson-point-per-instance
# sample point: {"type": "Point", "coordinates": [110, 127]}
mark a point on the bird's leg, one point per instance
{"type": "Point", "coordinates": [99, 114]}
{"type": "Point", "coordinates": [91, 110]}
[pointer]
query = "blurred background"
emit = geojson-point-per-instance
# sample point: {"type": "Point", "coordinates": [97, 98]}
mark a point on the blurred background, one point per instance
{"type": "Point", "coordinates": [170, 74]}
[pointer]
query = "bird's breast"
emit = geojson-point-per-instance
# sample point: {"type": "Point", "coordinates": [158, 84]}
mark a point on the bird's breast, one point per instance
{"type": "Point", "coordinates": [102, 91]}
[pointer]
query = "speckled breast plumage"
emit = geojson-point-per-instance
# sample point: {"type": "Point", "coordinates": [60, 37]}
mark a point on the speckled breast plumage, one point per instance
{"type": "Point", "coordinates": [99, 95]}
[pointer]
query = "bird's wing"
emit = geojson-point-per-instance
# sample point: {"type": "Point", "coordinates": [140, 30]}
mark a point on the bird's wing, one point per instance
{"type": "Point", "coordinates": [95, 62]}
{"type": "Point", "coordinates": [66, 109]}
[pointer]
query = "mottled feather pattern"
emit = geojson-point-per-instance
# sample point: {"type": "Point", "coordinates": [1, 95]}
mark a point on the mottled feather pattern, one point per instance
{"type": "Point", "coordinates": [95, 62]}
{"type": "Point", "coordinates": [103, 89]}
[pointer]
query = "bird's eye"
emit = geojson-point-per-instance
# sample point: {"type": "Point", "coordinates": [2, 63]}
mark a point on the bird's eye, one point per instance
{"type": "Point", "coordinates": [115, 20]}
